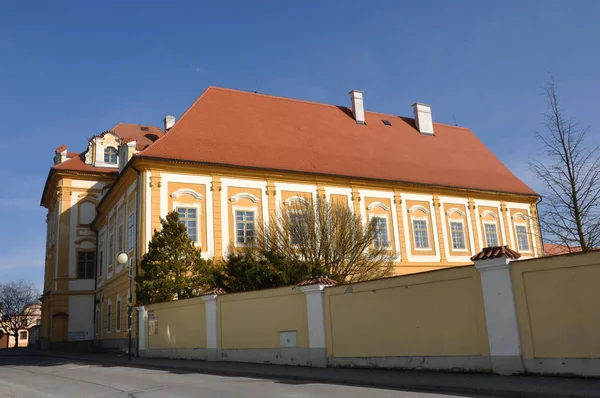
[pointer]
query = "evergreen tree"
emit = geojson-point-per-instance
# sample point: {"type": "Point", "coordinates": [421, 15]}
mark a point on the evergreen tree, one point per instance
{"type": "Point", "coordinates": [173, 268]}
{"type": "Point", "coordinates": [254, 269]}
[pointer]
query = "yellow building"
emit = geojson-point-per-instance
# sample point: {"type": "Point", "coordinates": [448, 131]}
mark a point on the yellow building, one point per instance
{"type": "Point", "coordinates": [234, 158]}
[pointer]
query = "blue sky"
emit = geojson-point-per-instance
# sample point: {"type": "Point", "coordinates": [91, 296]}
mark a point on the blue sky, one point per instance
{"type": "Point", "coordinates": [69, 70]}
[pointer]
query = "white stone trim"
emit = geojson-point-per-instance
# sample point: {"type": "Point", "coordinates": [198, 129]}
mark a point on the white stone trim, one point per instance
{"type": "Point", "coordinates": [455, 210]}
{"type": "Point", "coordinates": [148, 210]}
{"type": "Point", "coordinates": [378, 204]}
{"type": "Point", "coordinates": [527, 231]}
{"type": "Point", "coordinates": [489, 213]}
{"type": "Point", "coordinates": [293, 199]}
{"type": "Point", "coordinates": [244, 195]}
{"type": "Point", "coordinates": [501, 315]}
{"type": "Point", "coordinates": [495, 224]}
{"type": "Point", "coordinates": [186, 191]}
{"type": "Point", "coordinates": [212, 331]}
{"type": "Point", "coordinates": [347, 192]}
{"type": "Point", "coordinates": [429, 240]}
{"type": "Point", "coordinates": [316, 324]}
{"type": "Point", "coordinates": [142, 333]}
{"type": "Point", "coordinates": [418, 207]}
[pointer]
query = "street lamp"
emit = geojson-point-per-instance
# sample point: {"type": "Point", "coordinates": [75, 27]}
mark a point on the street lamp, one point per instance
{"type": "Point", "coordinates": [123, 259]}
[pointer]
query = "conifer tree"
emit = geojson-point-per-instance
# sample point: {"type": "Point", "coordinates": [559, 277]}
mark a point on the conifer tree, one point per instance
{"type": "Point", "coordinates": [173, 268]}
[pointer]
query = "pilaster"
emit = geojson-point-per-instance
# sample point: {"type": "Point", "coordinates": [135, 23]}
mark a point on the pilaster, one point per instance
{"type": "Point", "coordinates": [440, 231]}
{"type": "Point", "coordinates": [501, 315]}
{"type": "Point", "coordinates": [316, 325]}
{"type": "Point", "coordinates": [212, 341]}
{"type": "Point", "coordinates": [400, 217]}
{"type": "Point", "coordinates": [216, 188]}
{"type": "Point", "coordinates": [142, 335]}
{"type": "Point", "coordinates": [474, 225]}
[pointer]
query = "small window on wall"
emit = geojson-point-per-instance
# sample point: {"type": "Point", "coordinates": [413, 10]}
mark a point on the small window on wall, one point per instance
{"type": "Point", "coordinates": [244, 227]}
{"type": "Point", "coordinates": [381, 232]}
{"type": "Point", "coordinates": [491, 235]}
{"type": "Point", "coordinates": [23, 336]}
{"type": "Point", "coordinates": [85, 264]}
{"type": "Point", "coordinates": [421, 234]}
{"type": "Point", "coordinates": [109, 317]}
{"type": "Point", "coordinates": [522, 238]}
{"type": "Point", "coordinates": [457, 230]}
{"type": "Point", "coordinates": [298, 227]}
{"type": "Point", "coordinates": [118, 313]}
{"type": "Point", "coordinates": [130, 231]}
{"type": "Point", "coordinates": [110, 155]}
{"type": "Point", "coordinates": [188, 216]}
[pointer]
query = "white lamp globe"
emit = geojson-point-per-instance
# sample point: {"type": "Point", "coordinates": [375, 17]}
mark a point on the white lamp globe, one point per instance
{"type": "Point", "coordinates": [122, 258]}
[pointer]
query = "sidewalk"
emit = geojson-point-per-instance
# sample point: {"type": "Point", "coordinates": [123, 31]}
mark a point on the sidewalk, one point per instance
{"type": "Point", "coordinates": [502, 386]}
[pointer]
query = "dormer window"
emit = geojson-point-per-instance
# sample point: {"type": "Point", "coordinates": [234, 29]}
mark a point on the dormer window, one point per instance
{"type": "Point", "coordinates": [110, 155]}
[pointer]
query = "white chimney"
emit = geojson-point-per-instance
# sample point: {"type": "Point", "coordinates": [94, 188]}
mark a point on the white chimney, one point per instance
{"type": "Point", "coordinates": [358, 109]}
{"type": "Point", "coordinates": [423, 119]}
{"type": "Point", "coordinates": [169, 122]}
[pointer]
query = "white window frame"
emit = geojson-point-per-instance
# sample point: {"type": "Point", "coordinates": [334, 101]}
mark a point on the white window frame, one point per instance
{"type": "Point", "coordinates": [98, 325]}
{"type": "Point", "coordinates": [387, 227]}
{"type": "Point", "coordinates": [495, 224]}
{"type": "Point", "coordinates": [130, 231]}
{"type": "Point", "coordinates": [458, 221]}
{"type": "Point", "coordinates": [198, 207]}
{"type": "Point", "coordinates": [524, 225]}
{"type": "Point", "coordinates": [108, 316]}
{"type": "Point", "coordinates": [412, 222]}
{"type": "Point", "coordinates": [290, 211]}
{"type": "Point", "coordinates": [116, 162]}
{"type": "Point", "coordinates": [234, 209]}
{"type": "Point", "coordinates": [118, 314]}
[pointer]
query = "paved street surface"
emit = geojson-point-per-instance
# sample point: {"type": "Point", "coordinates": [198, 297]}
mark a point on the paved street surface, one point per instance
{"type": "Point", "coordinates": [34, 377]}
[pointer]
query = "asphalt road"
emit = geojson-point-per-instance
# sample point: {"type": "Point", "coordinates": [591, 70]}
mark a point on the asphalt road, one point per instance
{"type": "Point", "coordinates": [37, 377]}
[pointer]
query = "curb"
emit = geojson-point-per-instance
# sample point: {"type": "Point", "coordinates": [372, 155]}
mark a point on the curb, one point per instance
{"type": "Point", "coordinates": [323, 379]}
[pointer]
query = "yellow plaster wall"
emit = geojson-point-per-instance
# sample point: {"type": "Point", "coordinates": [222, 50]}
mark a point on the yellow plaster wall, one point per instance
{"type": "Point", "coordinates": [432, 314]}
{"type": "Point", "coordinates": [181, 324]}
{"type": "Point", "coordinates": [557, 305]}
{"type": "Point", "coordinates": [255, 319]}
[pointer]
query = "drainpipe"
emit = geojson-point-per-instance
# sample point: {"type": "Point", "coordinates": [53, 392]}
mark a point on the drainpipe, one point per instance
{"type": "Point", "coordinates": [539, 224]}
{"type": "Point", "coordinates": [137, 249]}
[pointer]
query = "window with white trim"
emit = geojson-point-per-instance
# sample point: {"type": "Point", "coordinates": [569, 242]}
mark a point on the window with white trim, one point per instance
{"type": "Point", "coordinates": [118, 313]}
{"type": "Point", "coordinates": [457, 231]}
{"type": "Point", "coordinates": [522, 238]}
{"type": "Point", "coordinates": [108, 317]}
{"type": "Point", "coordinates": [298, 227]}
{"type": "Point", "coordinates": [98, 323]}
{"type": "Point", "coordinates": [100, 255]}
{"type": "Point", "coordinates": [188, 216]}
{"type": "Point", "coordinates": [111, 249]}
{"type": "Point", "coordinates": [22, 335]}
{"type": "Point", "coordinates": [130, 231]}
{"type": "Point", "coordinates": [110, 155]}
{"type": "Point", "coordinates": [85, 264]}
{"type": "Point", "coordinates": [244, 227]}
{"type": "Point", "coordinates": [491, 234]}
{"type": "Point", "coordinates": [421, 234]}
{"type": "Point", "coordinates": [382, 238]}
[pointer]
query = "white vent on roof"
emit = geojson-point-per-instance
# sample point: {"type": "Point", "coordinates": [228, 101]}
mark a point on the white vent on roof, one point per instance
{"type": "Point", "coordinates": [423, 119]}
{"type": "Point", "coordinates": [169, 121]}
{"type": "Point", "coordinates": [358, 109]}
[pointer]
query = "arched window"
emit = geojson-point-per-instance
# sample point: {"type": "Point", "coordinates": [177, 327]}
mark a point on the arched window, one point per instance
{"type": "Point", "coordinates": [110, 155]}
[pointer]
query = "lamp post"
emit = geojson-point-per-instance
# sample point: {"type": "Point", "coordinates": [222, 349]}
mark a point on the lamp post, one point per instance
{"type": "Point", "coordinates": [123, 259]}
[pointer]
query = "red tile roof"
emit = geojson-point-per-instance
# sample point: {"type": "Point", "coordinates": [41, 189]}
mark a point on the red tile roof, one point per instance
{"type": "Point", "coordinates": [245, 129]}
{"type": "Point", "coordinates": [488, 253]}
{"type": "Point", "coordinates": [551, 249]}
{"type": "Point", "coordinates": [214, 292]}
{"type": "Point", "coordinates": [322, 280]}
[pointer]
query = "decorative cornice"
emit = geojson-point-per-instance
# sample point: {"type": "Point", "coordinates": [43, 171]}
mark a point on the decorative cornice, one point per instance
{"type": "Point", "coordinates": [244, 195]}
{"type": "Point", "coordinates": [378, 204]}
{"type": "Point", "coordinates": [293, 199]}
{"type": "Point", "coordinates": [455, 210]}
{"type": "Point", "coordinates": [418, 207]}
{"type": "Point", "coordinates": [186, 191]}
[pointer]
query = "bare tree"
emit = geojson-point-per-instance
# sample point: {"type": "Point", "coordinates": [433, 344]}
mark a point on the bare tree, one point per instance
{"type": "Point", "coordinates": [570, 171]}
{"type": "Point", "coordinates": [19, 307]}
{"type": "Point", "coordinates": [329, 236]}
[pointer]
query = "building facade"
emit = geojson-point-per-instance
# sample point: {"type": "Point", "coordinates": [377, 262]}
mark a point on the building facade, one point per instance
{"type": "Point", "coordinates": [234, 160]}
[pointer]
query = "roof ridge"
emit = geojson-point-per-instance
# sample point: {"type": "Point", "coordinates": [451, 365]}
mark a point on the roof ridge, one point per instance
{"type": "Point", "coordinates": [313, 103]}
